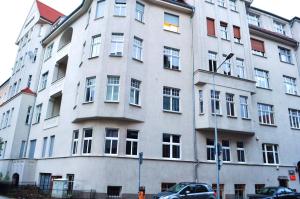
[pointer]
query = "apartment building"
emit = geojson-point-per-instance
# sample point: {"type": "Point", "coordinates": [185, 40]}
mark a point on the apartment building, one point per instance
{"type": "Point", "coordinates": [116, 78]}
{"type": "Point", "coordinates": [3, 91]}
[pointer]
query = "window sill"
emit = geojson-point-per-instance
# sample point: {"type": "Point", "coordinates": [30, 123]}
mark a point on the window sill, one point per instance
{"type": "Point", "coordinates": [176, 70]}
{"type": "Point", "coordinates": [35, 123]}
{"type": "Point", "coordinates": [138, 60]}
{"type": "Point", "coordinates": [239, 43]}
{"type": "Point", "coordinates": [122, 16]}
{"type": "Point", "coordinates": [232, 117]}
{"type": "Point", "coordinates": [97, 18]}
{"type": "Point", "coordinates": [262, 56]}
{"type": "Point", "coordinates": [222, 7]}
{"type": "Point", "coordinates": [165, 158]}
{"type": "Point", "coordinates": [295, 129]}
{"type": "Point", "coordinates": [171, 31]}
{"type": "Point", "coordinates": [247, 119]}
{"type": "Point", "coordinates": [111, 102]}
{"type": "Point", "coordinates": [287, 63]}
{"type": "Point", "coordinates": [93, 57]}
{"type": "Point", "coordinates": [114, 55]}
{"type": "Point", "coordinates": [42, 89]}
{"type": "Point", "coordinates": [210, 2]}
{"type": "Point", "coordinates": [47, 59]}
{"type": "Point", "coordinates": [74, 107]}
{"type": "Point", "coordinates": [290, 94]}
{"type": "Point", "coordinates": [269, 89]}
{"type": "Point", "coordinates": [135, 105]}
{"type": "Point", "coordinates": [219, 115]}
{"type": "Point", "coordinates": [269, 125]}
{"type": "Point", "coordinates": [84, 103]}
{"type": "Point", "coordinates": [173, 112]}
{"type": "Point", "coordinates": [235, 11]}
{"type": "Point", "coordinates": [228, 40]}
{"type": "Point", "coordinates": [213, 36]}
{"type": "Point", "coordinates": [110, 155]}
{"type": "Point", "coordinates": [142, 22]}
{"type": "Point", "coordinates": [201, 114]}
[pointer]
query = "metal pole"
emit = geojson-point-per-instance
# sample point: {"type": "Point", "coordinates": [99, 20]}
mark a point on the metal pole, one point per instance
{"type": "Point", "coordinates": [216, 138]}
{"type": "Point", "coordinates": [139, 177]}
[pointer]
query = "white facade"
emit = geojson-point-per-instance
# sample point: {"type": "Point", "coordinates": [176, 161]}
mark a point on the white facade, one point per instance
{"type": "Point", "coordinates": [115, 76]}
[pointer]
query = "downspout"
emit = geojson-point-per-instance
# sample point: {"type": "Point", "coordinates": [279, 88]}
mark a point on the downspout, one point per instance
{"type": "Point", "coordinates": [194, 109]}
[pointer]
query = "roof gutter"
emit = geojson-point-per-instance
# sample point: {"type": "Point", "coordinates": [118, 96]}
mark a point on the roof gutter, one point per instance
{"type": "Point", "coordinates": [79, 11]}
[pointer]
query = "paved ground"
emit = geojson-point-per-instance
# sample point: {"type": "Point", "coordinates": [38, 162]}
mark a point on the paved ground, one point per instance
{"type": "Point", "coordinates": [3, 197]}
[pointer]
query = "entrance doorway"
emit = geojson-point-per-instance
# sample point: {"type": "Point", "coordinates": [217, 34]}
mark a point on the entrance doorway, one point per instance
{"type": "Point", "coordinates": [283, 182]}
{"type": "Point", "coordinates": [15, 179]}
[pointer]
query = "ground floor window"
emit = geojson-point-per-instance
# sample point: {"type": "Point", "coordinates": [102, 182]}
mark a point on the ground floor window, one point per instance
{"type": "Point", "coordinates": [214, 186]}
{"type": "Point", "coordinates": [70, 178]}
{"type": "Point", "coordinates": [45, 182]}
{"type": "Point", "coordinates": [239, 191]}
{"type": "Point", "coordinates": [114, 191]}
{"type": "Point", "coordinates": [166, 185]}
{"type": "Point", "coordinates": [259, 187]}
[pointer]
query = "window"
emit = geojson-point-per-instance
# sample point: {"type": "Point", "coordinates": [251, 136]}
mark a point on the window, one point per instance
{"type": "Point", "coordinates": [224, 30]}
{"type": "Point", "coordinates": [215, 98]}
{"type": "Point", "coordinates": [285, 55]}
{"type": "Point", "coordinates": [44, 146]}
{"type": "Point", "coordinates": [211, 31]}
{"type": "Point", "coordinates": [171, 58]}
{"type": "Point", "coordinates": [232, 5]}
{"type": "Point", "coordinates": [3, 149]}
{"type": "Point", "coordinates": [113, 87]}
{"type": "Point", "coordinates": [27, 120]}
{"type": "Point", "coordinates": [32, 149]}
{"type": "Point", "coordinates": [258, 47]}
{"type": "Point", "coordinates": [10, 117]}
{"type": "Point", "coordinates": [244, 107]}
{"type": "Point", "coordinates": [44, 81]}
{"type": "Point", "coordinates": [262, 78]}
{"type": "Point", "coordinates": [114, 191]}
{"type": "Point", "coordinates": [166, 186]}
{"type": "Point", "coordinates": [171, 100]}
{"type": "Point", "coordinates": [87, 141]}
{"type": "Point", "coordinates": [240, 152]}
{"type": "Point", "coordinates": [95, 48]}
{"type": "Point", "coordinates": [212, 61]}
{"type": "Point", "coordinates": [230, 105]}
{"type": "Point", "coordinates": [120, 8]}
{"type": "Point", "coordinates": [137, 48]}
{"type": "Point", "coordinates": [29, 81]}
{"type": "Point", "coordinates": [259, 187]}
{"type": "Point", "coordinates": [132, 143]}
{"type": "Point", "coordinates": [253, 19]}
{"type": "Point", "coordinates": [237, 34]}
{"type": "Point", "coordinates": [240, 68]}
{"type": "Point", "coordinates": [111, 141]}
{"type": "Point", "coordinates": [290, 85]}
{"type": "Point", "coordinates": [135, 92]}
{"type": "Point", "coordinates": [38, 113]}
{"type": "Point", "coordinates": [7, 116]}
{"type": "Point", "coordinates": [171, 146]}
{"type": "Point", "coordinates": [117, 44]}
{"type": "Point", "coordinates": [75, 142]}
{"type": "Point", "coordinates": [35, 55]}
{"type": "Point", "coordinates": [22, 149]}
{"type": "Point", "coordinates": [279, 27]}
{"type": "Point", "coordinates": [90, 89]}
{"type": "Point", "coordinates": [48, 52]}
{"type": "Point", "coordinates": [266, 114]}
{"type": "Point", "coordinates": [171, 22]}
{"type": "Point", "coordinates": [88, 18]}
{"type": "Point", "coordinates": [226, 150]}
{"type": "Point", "coordinates": [2, 120]}
{"type": "Point", "coordinates": [139, 11]}
{"type": "Point", "coordinates": [201, 102]}
{"type": "Point", "coordinates": [270, 153]}
{"type": "Point", "coordinates": [100, 9]}
{"type": "Point", "coordinates": [294, 118]}
{"type": "Point", "coordinates": [210, 149]}
{"type": "Point", "coordinates": [51, 146]}
{"type": "Point", "coordinates": [221, 3]}
{"type": "Point", "coordinates": [214, 187]}
{"type": "Point", "coordinates": [239, 191]}
{"type": "Point", "coordinates": [226, 66]}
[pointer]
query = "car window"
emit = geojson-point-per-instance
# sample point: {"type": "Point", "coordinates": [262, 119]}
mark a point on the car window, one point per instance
{"type": "Point", "coordinates": [280, 191]}
{"type": "Point", "coordinates": [200, 189]}
{"type": "Point", "coordinates": [188, 188]}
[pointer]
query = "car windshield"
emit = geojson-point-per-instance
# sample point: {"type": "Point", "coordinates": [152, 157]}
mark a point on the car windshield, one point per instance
{"type": "Point", "coordinates": [176, 188]}
{"type": "Point", "coordinates": [267, 191]}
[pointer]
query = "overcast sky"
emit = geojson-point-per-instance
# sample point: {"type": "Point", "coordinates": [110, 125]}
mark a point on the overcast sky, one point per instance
{"type": "Point", "coordinates": [14, 12]}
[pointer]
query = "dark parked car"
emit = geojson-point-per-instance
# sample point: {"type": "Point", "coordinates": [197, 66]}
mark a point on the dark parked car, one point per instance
{"type": "Point", "coordinates": [188, 190]}
{"type": "Point", "coordinates": [274, 193]}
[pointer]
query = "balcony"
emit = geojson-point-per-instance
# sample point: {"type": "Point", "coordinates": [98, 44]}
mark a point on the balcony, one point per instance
{"type": "Point", "coordinates": [53, 111]}
{"type": "Point", "coordinates": [64, 44]}
{"type": "Point", "coordinates": [56, 86]}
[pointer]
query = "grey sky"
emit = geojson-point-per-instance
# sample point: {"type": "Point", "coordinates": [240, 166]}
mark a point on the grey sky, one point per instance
{"type": "Point", "coordinates": [14, 12]}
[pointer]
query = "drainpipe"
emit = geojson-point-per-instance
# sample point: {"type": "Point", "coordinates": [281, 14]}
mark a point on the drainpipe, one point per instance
{"type": "Point", "coordinates": [193, 104]}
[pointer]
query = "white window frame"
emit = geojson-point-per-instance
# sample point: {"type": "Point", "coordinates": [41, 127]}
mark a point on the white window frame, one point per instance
{"type": "Point", "coordinates": [233, 5]}
{"type": "Point", "coordinates": [135, 92]}
{"type": "Point", "coordinates": [230, 105]}
{"type": "Point", "coordinates": [285, 55]}
{"type": "Point", "coordinates": [279, 27]}
{"type": "Point", "coordinates": [95, 46]}
{"type": "Point", "coordinates": [89, 141]}
{"type": "Point", "coordinates": [120, 8]}
{"type": "Point", "coordinates": [211, 150]}
{"type": "Point", "coordinates": [290, 85]}
{"type": "Point", "coordinates": [253, 19]}
{"type": "Point", "coordinates": [227, 70]}
{"type": "Point", "coordinates": [137, 48]}
{"type": "Point", "coordinates": [201, 102]}
{"type": "Point", "coordinates": [90, 89]}
{"type": "Point", "coordinates": [215, 96]}
{"type": "Point", "coordinates": [111, 139]}
{"type": "Point", "coordinates": [294, 116]}
{"type": "Point", "coordinates": [44, 79]}
{"type": "Point", "coordinates": [117, 44]}
{"type": "Point", "coordinates": [212, 61]}
{"type": "Point", "coordinates": [171, 144]}
{"type": "Point", "coordinates": [100, 8]}
{"type": "Point", "coordinates": [75, 143]}
{"type": "Point", "coordinates": [274, 151]}
{"type": "Point", "coordinates": [51, 146]}
{"type": "Point", "coordinates": [172, 54]}
{"type": "Point", "coordinates": [132, 140]}
{"type": "Point", "coordinates": [241, 152]}
{"type": "Point", "coordinates": [222, 3]}
{"type": "Point", "coordinates": [224, 31]}
{"type": "Point", "coordinates": [48, 52]}
{"type": "Point", "coordinates": [266, 112]}
{"type": "Point", "coordinates": [244, 107]}
{"type": "Point", "coordinates": [170, 94]}
{"type": "Point", "coordinates": [139, 13]}
{"type": "Point", "coordinates": [113, 82]}
{"type": "Point", "coordinates": [44, 147]}
{"type": "Point", "coordinates": [262, 78]}
{"type": "Point", "coordinates": [226, 148]}
{"type": "Point", "coordinates": [173, 27]}
{"type": "Point", "coordinates": [240, 68]}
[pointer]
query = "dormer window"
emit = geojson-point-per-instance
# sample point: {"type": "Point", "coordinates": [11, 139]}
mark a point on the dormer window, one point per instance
{"type": "Point", "coordinates": [253, 19]}
{"type": "Point", "coordinates": [279, 27]}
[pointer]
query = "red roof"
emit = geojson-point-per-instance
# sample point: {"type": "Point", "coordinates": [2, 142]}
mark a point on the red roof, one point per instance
{"type": "Point", "coordinates": [28, 91]}
{"type": "Point", "coordinates": [47, 12]}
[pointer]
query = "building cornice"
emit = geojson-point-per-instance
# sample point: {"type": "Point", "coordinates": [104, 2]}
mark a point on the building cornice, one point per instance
{"type": "Point", "coordinates": [175, 5]}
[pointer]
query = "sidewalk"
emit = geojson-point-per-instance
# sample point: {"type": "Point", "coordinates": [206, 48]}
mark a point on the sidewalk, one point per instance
{"type": "Point", "coordinates": [3, 197]}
